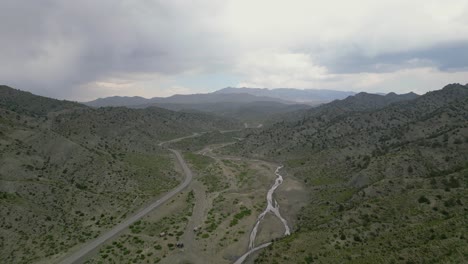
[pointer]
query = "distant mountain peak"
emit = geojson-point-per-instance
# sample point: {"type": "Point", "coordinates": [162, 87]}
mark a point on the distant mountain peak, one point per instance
{"type": "Point", "coordinates": [364, 94]}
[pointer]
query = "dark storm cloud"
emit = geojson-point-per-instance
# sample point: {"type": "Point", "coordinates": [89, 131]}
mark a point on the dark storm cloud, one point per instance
{"type": "Point", "coordinates": [50, 45]}
{"type": "Point", "coordinates": [446, 57]}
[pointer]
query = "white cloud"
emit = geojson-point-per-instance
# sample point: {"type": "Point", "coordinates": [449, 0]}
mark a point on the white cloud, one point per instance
{"type": "Point", "coordinates": [270, 69]}
{"type": "Point", "coordinates": [145, 85]}
{"type": "Point", "coordinates": [287, 70]}
{"type": "Point", "coordinates": [418, 80]}
{"type": "Point", "coordinates": [373, 27]}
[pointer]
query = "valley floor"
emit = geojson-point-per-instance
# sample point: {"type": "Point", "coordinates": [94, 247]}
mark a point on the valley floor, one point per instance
{"type": "Point", "coordinates": [213, 217]}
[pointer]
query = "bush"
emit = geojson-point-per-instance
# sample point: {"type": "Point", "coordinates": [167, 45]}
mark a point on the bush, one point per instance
{"type": "Point", "coordinates": [423, 199]}
{"type": "Point", "coordinates": [80, 186]}
{"type": "Point", "coordinates": [357, 238]}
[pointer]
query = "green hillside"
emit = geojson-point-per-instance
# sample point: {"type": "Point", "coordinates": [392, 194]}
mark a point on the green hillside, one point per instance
{"type": "Point", "coordinates": [387, 184]}
{"type": "Point", "coordinates": [69, 172]}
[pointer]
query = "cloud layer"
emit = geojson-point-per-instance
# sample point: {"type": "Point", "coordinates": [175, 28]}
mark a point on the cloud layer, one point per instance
{"type": "Point", "coordinates": [85, 49]}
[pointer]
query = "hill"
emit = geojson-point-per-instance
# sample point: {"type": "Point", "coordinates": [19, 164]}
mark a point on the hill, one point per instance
{"type": "Point", "coordinates": [27, 103]}
{"type": "Point", "coordinates": [68, 172]}
{"type": "Point", "coordinates": [118, 101]}
{"type": "Point", "coordinates": [359, 102]}
{"type": "Point", "coordinates": [253, 113]}
{"type": "Point", "coordinates": [387, 181]}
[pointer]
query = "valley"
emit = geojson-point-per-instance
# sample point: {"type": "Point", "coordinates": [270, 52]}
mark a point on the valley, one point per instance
{"type": "Point", "coordinates": [226, 196]}
{"type": "Point", "coordinates": [369, 177]}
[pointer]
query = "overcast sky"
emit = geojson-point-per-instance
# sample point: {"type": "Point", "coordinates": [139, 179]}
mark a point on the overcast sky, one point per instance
{"type": "Point", "coordinates": [81, 50]}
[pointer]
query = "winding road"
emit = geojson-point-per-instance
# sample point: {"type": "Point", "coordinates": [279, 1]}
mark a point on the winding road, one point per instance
{"type": "Point", "coordinates": [81, 254]}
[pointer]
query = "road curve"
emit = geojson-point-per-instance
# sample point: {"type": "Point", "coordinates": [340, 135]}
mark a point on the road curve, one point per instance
{"type": "Point", "coordinates": [80, 255]}
{"type": "Point", "coordinates": [252, 250]}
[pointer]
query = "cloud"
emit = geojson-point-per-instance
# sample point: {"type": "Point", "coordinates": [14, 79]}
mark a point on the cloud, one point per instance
{"type": "Point", "coordinates": [57, 48]}
{"type": "Point", "coordinates": [447, 57]}
{"type": "Point", "coordinates": [266, 69]}
{"type": "Point", "coordinates": [284, 70]}
{"type": "Point", "coordinates": [419, 80]}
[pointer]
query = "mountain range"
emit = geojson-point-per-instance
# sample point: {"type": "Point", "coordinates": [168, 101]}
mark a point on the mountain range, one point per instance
{"type": "Point", "coordinates": [306, 96]}
{"type": "Point", "coordinates": [249, 105]}
{"type": "Point", "coordinates": [229, 94]}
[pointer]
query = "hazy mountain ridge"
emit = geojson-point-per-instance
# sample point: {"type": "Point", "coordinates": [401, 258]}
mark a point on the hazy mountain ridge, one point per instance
{"type": "Point", "coordinates": [252, 112]}
{"type": "Point", "coordinates": [118, 101]}
{"type": "Point", "coordinates": [251, 105]}
{"type": "Point", "coordinates": [140, 102]}
{"type": "Point", "coordinates": [387, 176]}
{"type": "Point", "coordinates": [313, 96]}
{"type": "Point", "coordinates": [229, 94]}
{"type": "Point", "coordinates": [245, 107]}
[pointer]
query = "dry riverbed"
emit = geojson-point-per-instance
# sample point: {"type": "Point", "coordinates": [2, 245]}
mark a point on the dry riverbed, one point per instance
{"type": "Point", "coordinates": [213, 217]}
{"type": "Point", "coordinates": [232, 208]}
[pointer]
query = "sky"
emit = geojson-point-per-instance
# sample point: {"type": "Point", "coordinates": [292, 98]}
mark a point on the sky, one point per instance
{"type": "Point", "coordinates": [82, 50]}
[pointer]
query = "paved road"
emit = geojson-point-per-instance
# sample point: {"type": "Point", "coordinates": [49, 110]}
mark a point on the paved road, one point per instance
{"type": "Point", "coordinates": [80, 255]}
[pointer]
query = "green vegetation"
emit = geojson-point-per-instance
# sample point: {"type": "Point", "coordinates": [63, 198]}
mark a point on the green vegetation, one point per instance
{"type": "Point", "coordinates": [244, 174]}
{"type": "Point", "coordinates": [209, 172]}
{"type": "Point", "coordinates": [150, 167]}
{"type": "Point", "coordinates": [144, 241]}
{"type": "Point", "coordinates": [244, 212]}
{"type": "Point", "coordinates": [199, 162]}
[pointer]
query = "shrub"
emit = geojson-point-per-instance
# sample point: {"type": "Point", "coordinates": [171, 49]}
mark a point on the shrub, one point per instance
{"type": "Point", "coordinates": [423, 199]}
